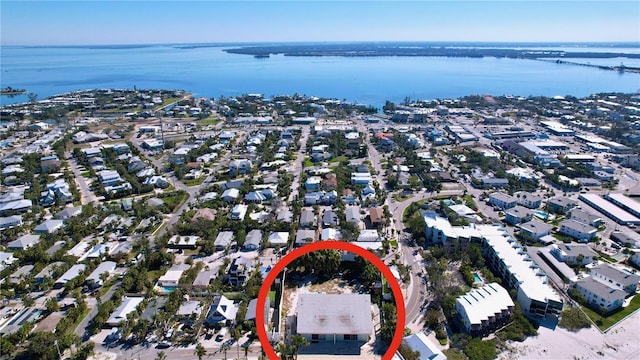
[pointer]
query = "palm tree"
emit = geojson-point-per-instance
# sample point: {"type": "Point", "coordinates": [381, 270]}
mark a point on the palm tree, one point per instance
{"type": "Point", "coordinates": [161, 356]}
{"type": "Point", "coordinates": [283, 350]}
{"type": "Point", "coordinates": [297, 341]}
{"type": "Point", "coordinates": [200, 351]}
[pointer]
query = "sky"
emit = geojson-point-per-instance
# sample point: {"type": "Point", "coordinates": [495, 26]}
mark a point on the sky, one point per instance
{"type": "Point", "coordinates": [91, 22]}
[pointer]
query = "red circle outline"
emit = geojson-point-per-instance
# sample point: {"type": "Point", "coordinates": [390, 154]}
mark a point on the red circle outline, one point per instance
{"type": "Point", "coordinates": [330, 245]}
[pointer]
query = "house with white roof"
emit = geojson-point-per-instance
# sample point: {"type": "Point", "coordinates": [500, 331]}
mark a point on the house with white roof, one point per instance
{"type": "Point", "coordinates": [71, 274]}
{"type": "Point", "coordinates": [223, 240]}
{"type": "Point", "coordinates": [485, 309]}
{"type": "Point", "coordinates": [321, 317]}
{"type": "Point", "coordinates": [183, 242]}
{"type": "Point", "coordinates": [94, 280]}
{"type": "Point", "coordinates": [127, 306]}
{"type": "Point", "coordinates": [278, 238]}
{"type": "Point", "coordinates": [221, 311]}
{"type": "Point", "coordinates": [171, 278]}
{"type": "Point", "coordinates": [421, 343]}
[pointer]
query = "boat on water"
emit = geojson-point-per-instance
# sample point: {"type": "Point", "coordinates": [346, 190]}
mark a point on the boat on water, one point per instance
{"type": "Point", "coordinates": [11, 91]}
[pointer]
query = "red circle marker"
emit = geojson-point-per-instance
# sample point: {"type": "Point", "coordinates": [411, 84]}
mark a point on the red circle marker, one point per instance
{"type": "Point", "coordinates": [330, 245]}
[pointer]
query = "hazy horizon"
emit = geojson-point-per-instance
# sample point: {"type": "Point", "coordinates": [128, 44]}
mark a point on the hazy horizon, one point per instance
{"type": "Point", "coordinates": [75, 23]}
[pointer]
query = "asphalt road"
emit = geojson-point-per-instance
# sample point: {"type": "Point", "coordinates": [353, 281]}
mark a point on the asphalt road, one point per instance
{"type": "Point", "coordinates": [82, 329]}
{"type": "Point", "coordinates": [86, 195]}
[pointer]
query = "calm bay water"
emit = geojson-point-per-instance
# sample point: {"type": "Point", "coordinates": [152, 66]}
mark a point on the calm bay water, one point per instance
{"type": "Point", "coordinates": [209, 71]}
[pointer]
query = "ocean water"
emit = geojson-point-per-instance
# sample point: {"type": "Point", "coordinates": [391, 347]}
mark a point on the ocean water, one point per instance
{"type": "Point", "coordinates": [211, 72]}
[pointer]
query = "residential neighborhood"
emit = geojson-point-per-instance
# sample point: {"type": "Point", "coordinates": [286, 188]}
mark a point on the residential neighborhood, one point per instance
{"type": "Point", "coordinates": [135, 223]}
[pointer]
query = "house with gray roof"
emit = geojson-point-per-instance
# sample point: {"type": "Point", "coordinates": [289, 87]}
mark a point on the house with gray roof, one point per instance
{"type": "Point", "coordinates": [577, 230]}
{"type": "Point", "coordinates": [307, 218]}
{"type": "Point", "coordinates": [561, 204]}
{"type": "Point", "coordinates": [48, 271]}
{"type": "Point", "coordinates": [535, 229]}
{"type": "Point", "coordinates": [599, 295]}
{"type": "Point", "coordinates": [329, 218]}
{"type": "Point", "coordinates": [49, 226]}
{"type": "Point", "coordinates": [253, 240]}
{"type": "Point", "coordinates": [585, 217]}
{"type": "Point", "coordinates": [305, 236]}
{"type": "Point", "coordinates": [69, 212]}
{"type": "Point", "coordinates": [574, 253]}
{"type": "Point", "coordinates": [353, 215]}
{"type": "Point", "coordinates": [10, 221]}
{"type": "Point", "coordinates": [71, 274]}
{"type": "Point", "coordinates": [20, 274]}
{"type": "Point", "coordinates": [615, 277]}
{"type": "Point", "coordinates": [223, 240]}
{"type": "Point", "coordinates": [24, 242]}
{"type": "Point", "coordinates": [502, 200]}
{"type": "Point", "coordinates": [94, 280]}
{"type": "Point", "coordinates": [517, 215]}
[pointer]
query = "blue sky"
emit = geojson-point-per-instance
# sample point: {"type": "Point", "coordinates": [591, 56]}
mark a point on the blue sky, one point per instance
{"type": "Point", "coordinates": [136, 22]}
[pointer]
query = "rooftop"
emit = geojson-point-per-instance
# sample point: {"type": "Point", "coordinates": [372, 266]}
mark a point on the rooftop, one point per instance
{"type": "Point", "coordinates": [334, 314]}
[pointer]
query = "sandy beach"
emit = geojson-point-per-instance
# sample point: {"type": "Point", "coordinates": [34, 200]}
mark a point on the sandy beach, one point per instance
{"type": "Point", "coordinates": [621, 342]}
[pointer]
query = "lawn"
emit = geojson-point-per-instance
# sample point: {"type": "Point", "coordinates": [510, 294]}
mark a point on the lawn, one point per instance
{"type": "Point", "coordinates": [605, 323]}
{"type": "Point", "coordinates": [209, 121]}
{"type": "Point", "coordinates": [307, 162]}
{"type": "Point", "coordinates": [194, 182]}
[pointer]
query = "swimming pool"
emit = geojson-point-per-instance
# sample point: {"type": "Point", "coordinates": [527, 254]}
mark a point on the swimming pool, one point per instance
{"type": "Point", "coordinates": [477, 278]}
{"type": "Point", "coordinates": [447, 202]}
{"type": "Point", "coordinates": [544, 215]}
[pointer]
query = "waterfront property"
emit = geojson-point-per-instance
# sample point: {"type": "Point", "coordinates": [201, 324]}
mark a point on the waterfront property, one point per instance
{"type": "Point", "coordinates": [485, 309]}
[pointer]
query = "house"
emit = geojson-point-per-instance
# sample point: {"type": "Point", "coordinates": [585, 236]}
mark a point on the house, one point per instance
{"type": "Point", "coordinates": [329, 218]}
{"type": "Point", "coordinates": [189, 309]}
{"type": "Point", "coordinates": [421, 343]}
{"type": "Point", "coordinates": [230, 195]}
{"type": "Point", "coordinates": [154, 202]}
{"type": "Point", "coordinates": [574, 253]}
{"type": "Point", "coordinates": [71, 274]}
{"type": "Point", "coordinates": [585, 217]}
{"type": "Point", "coordinates": [6, 259]}
{"type": "Point", "coordinates": [376, 216]}
{"type": "Point", "coordinates": [321, 317]}
{"type": "Point", "coordinates": [171, 278]}
{"type": "Point", "coordinates": [599, 295]}
{"type": "Point", "coordinates": [94, 280]}
{"type": "Point", "coordinates": [313, 198]}
{"type": "Point", "coordinates": [368, 236]}
{"type": "Point", "coordinates": [24, 242]}
{"type": "Point", "coordinates": [307, 218]}
{"type": "Point", "coordinates": [255, 196]}
{"type": "Point", "coordinates": [535, 229]}
{"type": "Point", "coordinates": [312, 183]}
{"type": "Point", "coordinates": [253, 240]}
{"type": "Point", "coordinates": [240, 167]}
{"type": "Point", "coordinates": [615, 277]}
{"type": "Point", "coordinates": [204, 214]}
{"type": "Point", "coordinates": [305, 236]}
{"type": "Point", "coordinates": [483, 310]}
{"type": "Point", "coordinates": [502, 201]}
{"type": "Point", "coordinates": [495, 183]}
{"type": "Point", "coordinates": [203, 279]}
{"type": "Point", "coordinates": [183, 242]}
{"type": "Point", "coordinates": [528, 200]}
{"type": "Point", "coordinates": [239, 211]}
{"type": "Point", "coordinates": [238, 271]}
{"type": "Point", "coordinates": [577, 230]}
{"type": "Point", "coordinates": [49, 226]}
{"type": "Point", "coordinates": [252, 310]}
{"type": "Point", "coordinates": [561, 204]}
{"type": "Point", "coordinates": [16, 206]}
{"type": "Point", "coordinates": [69, 212]}
{"type": "Point", "coordinates": [109, 177]}
{"type": "Point", "coordinates": [127, 306]}
{"type": "Point", "coordinates": [10, 221]}
{"type": "Point", "coordinates": [223, 240]}
{"type": "Point", "coordinates": [221, 311]}
{"type": "Point", "coordinates": [330, 181]}
{"type": "Point", "coordinates": [283, 214]}
{"type": "Point", "coordinates": [517, 215]}
{"type": "Point", "coordinates": [278, 238]}
{"type": "Point", "coordinates": [330, 234]}
{"type": "Point", "coordinates": [48, 271]}
{"type": "Point", "coordinates": [353, 215]}
{"type": "Point", "coordinates": [21, 274]}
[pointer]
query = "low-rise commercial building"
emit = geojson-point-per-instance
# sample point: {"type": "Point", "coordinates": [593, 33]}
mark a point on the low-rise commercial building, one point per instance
{"type": "Point", "coordinates": [485, 309]}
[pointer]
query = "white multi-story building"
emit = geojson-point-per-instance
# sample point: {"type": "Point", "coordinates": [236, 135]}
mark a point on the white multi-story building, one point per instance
{"type": "Point", "coordinates": [577, 230]}
{"type": "Point", "coordinates": [485, 309]}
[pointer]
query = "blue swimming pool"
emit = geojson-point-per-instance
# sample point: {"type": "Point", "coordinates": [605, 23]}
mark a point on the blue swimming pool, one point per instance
{"type": "Point", "coordinates": [477, 278]}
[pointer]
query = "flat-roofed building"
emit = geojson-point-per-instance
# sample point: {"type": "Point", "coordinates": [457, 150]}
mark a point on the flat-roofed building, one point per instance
{"type": "Point", "coordinates": [485, 309]}
{"type": "Point", "coordinates": [625, 202]}
{"type": "Point", "coordinates": [334, 317]}
{"type": "Point", "coordinates": [506, 257]}
{"type": "Point", "coordinates": [608, 208]}
{"type": "Point", "coordinates": [172, 276]}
